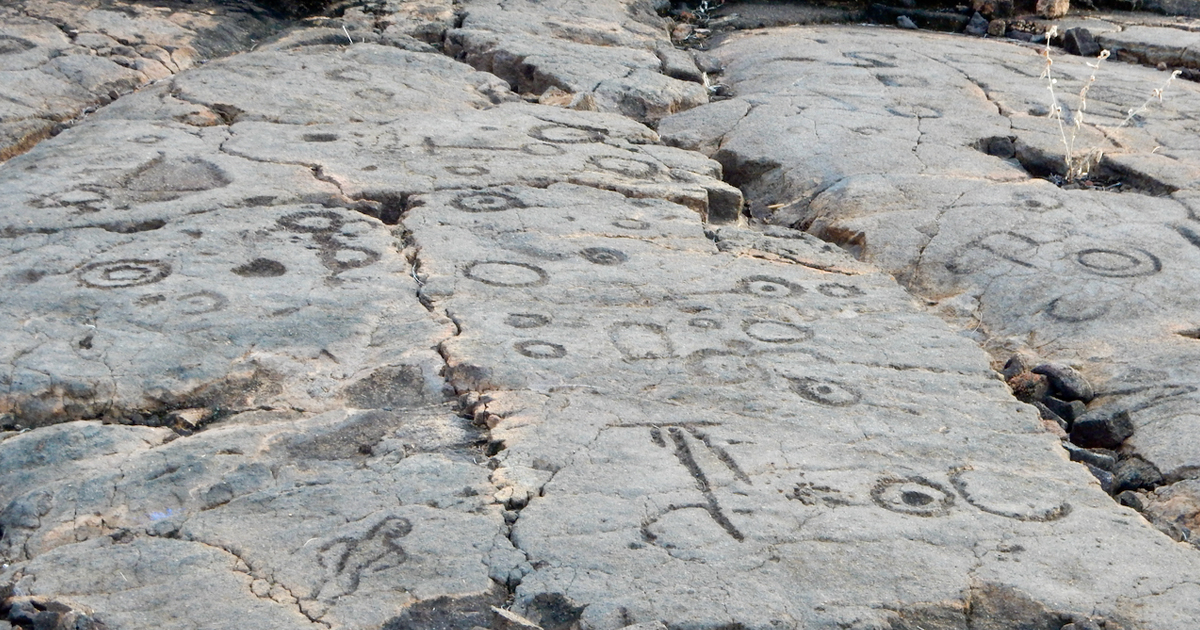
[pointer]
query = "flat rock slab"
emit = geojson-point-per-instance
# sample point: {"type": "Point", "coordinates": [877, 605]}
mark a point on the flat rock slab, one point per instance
{"type": "Point", "coordinates": [897, 152]}
{"type": "Point", "coordinates": [237, 250]}
{"type": "Point", "coordinates": [603, 52]}
{"type": "Point", "coordinates": [343, 520]}
{"type": "Point", "coordinates": [61, 59]}
{"type": "Point", "coordinates": [759, 410]}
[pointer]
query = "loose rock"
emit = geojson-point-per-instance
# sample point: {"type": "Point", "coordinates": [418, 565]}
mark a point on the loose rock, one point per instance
{"type": "Point", "coordinates": [1102, 428]}
{"type": "Point", "coordinates": [1065, 382]}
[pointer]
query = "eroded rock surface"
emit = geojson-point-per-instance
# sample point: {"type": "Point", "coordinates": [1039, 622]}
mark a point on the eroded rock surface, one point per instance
{"type": "Point", "coordinates": [60, 59]}
{"type": "Point", "coordinates": [348, 334]}
{"type": "Point", "coordinates": [918, 158]}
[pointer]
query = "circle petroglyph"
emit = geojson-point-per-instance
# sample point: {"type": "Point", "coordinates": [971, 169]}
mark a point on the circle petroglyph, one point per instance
{"type": "Point", "coordinates": [486, 202]}
{"type": "Point", "coordinates": [1011, 495]}
{"type": "Point", "coordinates": [535, 349]}
{"type": "Point", "coordinates": [771, 331]}
{"type": "Point", "coordinates": [836, 290]}
{"type": "Point", "coordinates": [914, 496]}
{"type": "Point", "coordinates": [1075, 309]}
{"type": "Point", "coordinates": [825, 392]}
{"type": "Point", "coordinates": [561, 134]}
{"type": "Point", "coordinates": [127, 272]}
{"type": "Point", "coordinates": [468, 170]}
{"type": "Point", "coordinates": [202, 302]}
{"type": "Point", "coordinates": [628, 167]}
{"type": "Point", "coordinates": [542, 149]}
{"type": "Point", "coordinates": [769, 286]}
{"type": "Point", "coordinates": [604, 256]}
{"type": "Point", "coordinates": [631, 224]}
{"type": "Point", "coordinates": [1115, 263]}
{"type": "Point", "coordinates": [338, 257]}
{"type": "Point", "coordinates": [526, 320]}
{"type": "Point", "coordinates": [312, 222]}
{"type": "Point", "coordinates": [506, 274]}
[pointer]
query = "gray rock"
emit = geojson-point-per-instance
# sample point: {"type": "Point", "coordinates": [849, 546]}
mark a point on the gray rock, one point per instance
{"type": "Point", "coordinates": [1103, 459]}
{"type": "Point", "coordinates": [605, 49]}
{"type": "Point", "coordinates": [1135, 473]}
{"type": "Point", "coordinates": [707, 63]}
{"type": "Point", "coordinates": [977, 26]}
{"type": "Point", "coordinates": [1106, 478]}
{"type": "Point", "coordinates": [1068, 411]}
{"type": "Point", "coordinates": [905, 22]}
{"type": "Point", "coordinates": [1079, 41]}
{"type": "Point", "coordinates": [1066, 383]}
{"type": "Point", "coordinates": [1102, 428]}
{"type": "Point", "coordinates": [909, 188]}
{"type": "Point", "coordinates": [678, 64]}
{"type": "Point", "coordinates": [1131, 500]}
{"type": "Point", "coordinates": [59, 60]}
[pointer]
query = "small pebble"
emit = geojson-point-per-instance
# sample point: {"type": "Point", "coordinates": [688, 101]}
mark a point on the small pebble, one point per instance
{"type": "Point", "coordinates": [1131, 500]}
{"type": "Point", "coordinates": [1065, 382]}
{"type": "Point", "coordinates": [904, 22]}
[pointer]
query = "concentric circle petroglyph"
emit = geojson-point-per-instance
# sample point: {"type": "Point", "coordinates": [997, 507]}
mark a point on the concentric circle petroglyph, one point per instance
{"type": "Point", "coordinates": [769, 286]}
{"type": "Point", "coordinates": [127, 272]}
{"type": "Point", "coordinates": [915, 496]}
{"type": "Point", "coordinates": [824, 392]}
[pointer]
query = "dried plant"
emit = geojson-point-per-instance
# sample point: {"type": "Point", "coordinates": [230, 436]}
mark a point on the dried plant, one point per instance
{"type": "Point", "coordinates": [1078, 166]}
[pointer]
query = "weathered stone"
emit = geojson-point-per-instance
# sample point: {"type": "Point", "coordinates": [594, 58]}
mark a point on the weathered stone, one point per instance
{"type": "Point", "coordinates": [905, 22]}
{"type": "Point", "coordinates": [605, 48]}
{"type": "Point", "coordinates": [1135, 473]}
{"type": "Point", "coordinates": [997, 28]}
{"type": "Point", "coordinates": [1103, 459]}
{"type": "Point", "coordinates": [510, 365]}
{"type": "Point", "coordinates": [1029, 387]}
{"type": "Point", "coordinates": [1079, 41]}
{"type": "Point", "coordinates": [1101, 428]}
{"type": "Point", "coordinates": [1052, 9]}
{"type": "Point", "coordinates": [978, 26]}
{"type": "Point", "coordinates": [59, 60]}
{"type": "Point", "coordinates": [1066, 382]}
{"type": "Point", "coordinates": [904, 189]}
{"type": "Point", "coordinates": [1066, 410]}
{"type": "Point", "coordinates": [678, 64]}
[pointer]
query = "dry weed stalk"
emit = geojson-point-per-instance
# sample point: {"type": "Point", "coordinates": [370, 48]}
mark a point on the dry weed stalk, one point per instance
{"type": "Point", "coordinates": [1079, 166]}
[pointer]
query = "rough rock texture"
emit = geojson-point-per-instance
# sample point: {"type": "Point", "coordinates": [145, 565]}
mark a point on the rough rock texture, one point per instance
{"type": "Point", "coordinates": [605, 49]}
{"type": "Point", "coordinates": [919, 159]}
{"type": "Point", "coordinates": [60, 59]}
{"type": "Point", "coordinates": [341, 333]}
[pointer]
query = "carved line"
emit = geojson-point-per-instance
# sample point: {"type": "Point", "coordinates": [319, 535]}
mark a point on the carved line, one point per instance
{"type": "Point", "coordinates": [684, 453]}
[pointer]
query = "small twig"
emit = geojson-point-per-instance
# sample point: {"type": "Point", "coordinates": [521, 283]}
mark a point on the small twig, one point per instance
{"type": "Point", "coordinates": [347, 32]}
